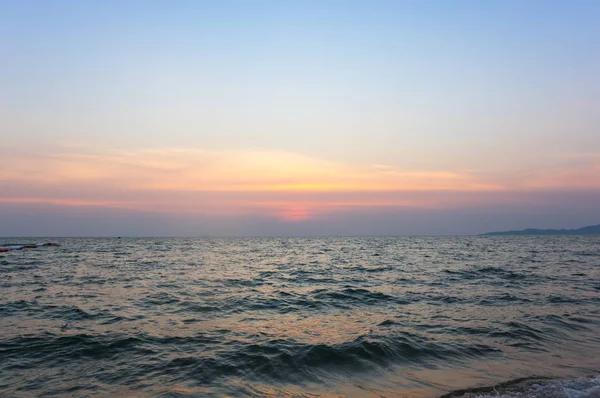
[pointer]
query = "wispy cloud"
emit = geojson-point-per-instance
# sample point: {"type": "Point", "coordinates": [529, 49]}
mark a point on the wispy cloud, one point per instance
{"type": "Point", "coordinates": [201, 170]}
{"type": "Point", "coordinates": [282, 184]}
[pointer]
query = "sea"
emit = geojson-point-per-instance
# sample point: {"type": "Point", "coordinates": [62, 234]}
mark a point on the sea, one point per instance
{"type": "Point", "coordinates": [301, 317]}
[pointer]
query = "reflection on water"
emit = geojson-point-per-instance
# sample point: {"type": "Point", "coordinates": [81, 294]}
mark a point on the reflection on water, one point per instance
{"type": "Point", "coordinates": [327, 316]}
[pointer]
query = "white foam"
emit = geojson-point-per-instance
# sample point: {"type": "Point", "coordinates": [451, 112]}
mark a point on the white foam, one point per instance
{"type": "Point", "coordinates": [584, 387]}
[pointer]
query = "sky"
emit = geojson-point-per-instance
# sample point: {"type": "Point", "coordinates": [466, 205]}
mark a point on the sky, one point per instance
{"type": "Point", "coordinates": [298, 118]}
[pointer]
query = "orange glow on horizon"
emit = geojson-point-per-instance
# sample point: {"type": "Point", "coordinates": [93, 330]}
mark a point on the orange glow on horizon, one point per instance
{"type": "Point", "coordinates": [283, 185]}
{"type": "Point", "coordinates": [294, 214]}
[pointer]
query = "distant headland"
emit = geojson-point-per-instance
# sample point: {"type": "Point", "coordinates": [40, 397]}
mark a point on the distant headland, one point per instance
{"type": "Point", "coordinates": [590, 230]}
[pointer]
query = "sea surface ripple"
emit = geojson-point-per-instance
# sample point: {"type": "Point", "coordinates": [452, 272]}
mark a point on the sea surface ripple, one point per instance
{"type": "Point", "coordinates": [386, 317]}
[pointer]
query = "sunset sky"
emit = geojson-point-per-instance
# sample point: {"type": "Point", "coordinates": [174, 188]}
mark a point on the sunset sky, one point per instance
{"type": "Point", "coordinates": [300, 117]}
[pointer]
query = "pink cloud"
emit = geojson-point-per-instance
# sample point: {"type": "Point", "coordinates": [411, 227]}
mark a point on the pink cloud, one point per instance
{"type": "Point", "coordinates": [284, 185]}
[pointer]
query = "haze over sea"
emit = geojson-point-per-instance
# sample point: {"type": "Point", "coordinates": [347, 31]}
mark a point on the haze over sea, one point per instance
{"type": "Point", "coordinates": [388, 317]}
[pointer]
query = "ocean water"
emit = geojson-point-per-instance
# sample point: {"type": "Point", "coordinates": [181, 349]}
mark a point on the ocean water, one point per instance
{"type": "Point", "coordinates": [310, 317]}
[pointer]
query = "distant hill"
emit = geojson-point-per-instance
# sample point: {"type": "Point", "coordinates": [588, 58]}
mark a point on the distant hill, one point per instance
{"type": "Point", "coordinates": [591, 230]}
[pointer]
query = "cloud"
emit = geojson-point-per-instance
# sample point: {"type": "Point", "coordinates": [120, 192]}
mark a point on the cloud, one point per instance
{"type": "Point", "coordinates": [578, 172]}
{"type": "Point", "coordinates": [234, 170]}
{"type": "Point", "coordinates": [284, 185]}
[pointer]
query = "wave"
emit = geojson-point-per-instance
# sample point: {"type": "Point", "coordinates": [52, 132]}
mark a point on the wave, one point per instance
{"type": "Point", "coordinates": [535, 387]}
{"type": "Point", "coordinates": [312, 316]}
{"type": "Point", "coordinates": [61, 312]}
{"type": "Point", "coordinates": [209, 356]}
{"type": "Point", "coordinates": [349, 294]}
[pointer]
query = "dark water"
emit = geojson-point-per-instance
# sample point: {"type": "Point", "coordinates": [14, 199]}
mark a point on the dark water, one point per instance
{"type": "Point", "coordinates": [357, 317]}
